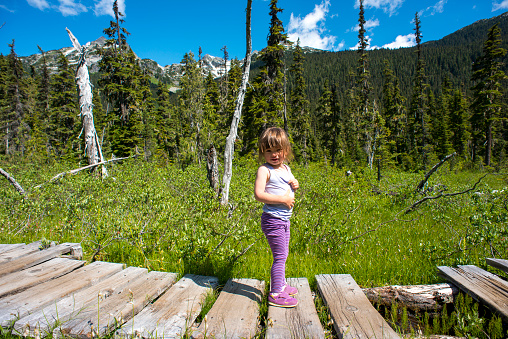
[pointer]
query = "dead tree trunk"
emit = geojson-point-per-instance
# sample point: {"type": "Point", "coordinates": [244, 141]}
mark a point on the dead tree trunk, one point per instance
{"type": "Point", "coordinates": [13, 182]}
{"type": "Point", "coordinates": [212, 166]}
{"type": "Point", "coordinates": [230, 140]}
{"type": "Point", "coordinates": [92, 146]}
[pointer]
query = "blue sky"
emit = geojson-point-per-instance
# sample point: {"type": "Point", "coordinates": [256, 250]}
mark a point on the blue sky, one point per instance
{"type": "Point", "coordinates": [165, 30]}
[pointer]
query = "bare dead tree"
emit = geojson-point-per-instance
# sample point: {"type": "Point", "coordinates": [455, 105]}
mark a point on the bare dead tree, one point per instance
{"type": "Point", "coordinates": [212, 167]}
{"type": "Point", "coordinates": [432, 170]}
{"type": "Point", "coordinates": [92, 145]}
{"type": "Point", "coordinates": [13, 182]}
{"type": "Point", "coordinates": [230, 140]}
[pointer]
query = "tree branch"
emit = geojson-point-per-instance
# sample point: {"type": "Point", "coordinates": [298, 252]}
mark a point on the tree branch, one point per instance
{"type": "Point", "coordinates": [432, 170]}
{"type": "Point", "coordinates": [13, 182]}
{"type": "Point", "coordinates": [410, 208]}
{"type": "Point", "coordinates": [74, 171]}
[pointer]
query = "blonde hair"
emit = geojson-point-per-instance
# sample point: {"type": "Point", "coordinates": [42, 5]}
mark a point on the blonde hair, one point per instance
{"type": "Point", "coordinates": [274, 137]}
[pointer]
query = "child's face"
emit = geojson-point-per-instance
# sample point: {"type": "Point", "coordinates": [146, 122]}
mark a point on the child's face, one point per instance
{"type": "Point", "coordinates": [274, 156]}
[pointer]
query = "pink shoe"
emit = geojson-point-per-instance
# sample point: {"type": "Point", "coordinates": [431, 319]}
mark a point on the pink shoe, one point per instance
{"type": "Point", "coordinates": [281, 299]}
{"type": "Point", "coordinates": [292, 291]}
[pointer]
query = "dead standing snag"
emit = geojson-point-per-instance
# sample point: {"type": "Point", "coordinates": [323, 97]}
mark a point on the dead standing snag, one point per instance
{"type": "Point", "coordinates": [92, 145]}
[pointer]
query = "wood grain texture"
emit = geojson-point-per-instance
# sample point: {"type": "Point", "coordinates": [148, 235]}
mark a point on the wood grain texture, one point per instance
{"type": "Point", "coordinates": [353, 315]}
{"type": "Point", "coordinates": [118, 308]}
{"type": "Point", "coordinates": [174, 312]}
{"type": "Point", "coordinates": [34, 298]}
{"type": "Point", "coordinates": [8, 247]}
{"type": "Point", "coordinates": [500, 264]}
{"type": "Point", "coordinates": [35, 258]}
{"type": "Point", "coordinates": [235, 312]}
{"type": "Point", "coordinates": [19, 251]}
{"type": "Point", "coordinates": [21, 280]}
{"type": "Point", "coordinates": [481, 285]}
{"type": "Point", "coordinates": [301, 321]}
{"type": "Point", "coordinates": [70, 307]}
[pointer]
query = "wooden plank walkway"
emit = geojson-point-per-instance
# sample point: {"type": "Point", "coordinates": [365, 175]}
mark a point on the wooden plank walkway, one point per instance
{"type": "Point", "coordinates": [482, 285]}
{"type": "Point", "coordinates": [352, 313]}
{"type": "Point", "coordinates": [299, 322]}
{"type": "Point", "coordinates": [235, 313]}
{"type": "Point", "coordinates": [43, 294]}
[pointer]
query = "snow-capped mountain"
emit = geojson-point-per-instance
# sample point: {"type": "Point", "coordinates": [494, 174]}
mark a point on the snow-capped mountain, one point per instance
{"type": "Point", "coordinates": [169, 74]}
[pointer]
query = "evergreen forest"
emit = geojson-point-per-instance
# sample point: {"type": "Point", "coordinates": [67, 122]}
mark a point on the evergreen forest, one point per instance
{"type": "Point", "coordinates": [405, 108]}
{"type": "Point", "coordinates": [365, 125]}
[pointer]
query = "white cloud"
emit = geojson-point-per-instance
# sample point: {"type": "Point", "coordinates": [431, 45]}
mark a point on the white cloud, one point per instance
{"type": "Point", "coordinates": [311, 29]}
{"type": "Point", "coordinates": [40, 4]}
{"type": "Point", "coordinates": [6, 8]}
{"type": "Point", "coordinates": [437, 8]}
{"type": "Point", "coordinates": [105, 7]}
{"type": "Point", "coordinates": [388, 6]}
{"type": "Point", "coordinates": [402, 41]}
{"type": "Point", "coordinates": [71, 8]}
{"type": "Point", "coordinates": [497, 6]}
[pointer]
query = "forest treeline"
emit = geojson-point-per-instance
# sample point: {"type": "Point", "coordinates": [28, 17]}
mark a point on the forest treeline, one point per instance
{"type": "Point", "coordinates": [403, 108]}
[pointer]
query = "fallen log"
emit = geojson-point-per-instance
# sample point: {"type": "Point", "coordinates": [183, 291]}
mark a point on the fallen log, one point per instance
{"type": "Point", "coordinates": [416, 299]}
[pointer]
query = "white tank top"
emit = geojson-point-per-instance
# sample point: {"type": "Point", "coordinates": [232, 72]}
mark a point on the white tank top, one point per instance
{"type": "Point", "coordinates": [278, 185]}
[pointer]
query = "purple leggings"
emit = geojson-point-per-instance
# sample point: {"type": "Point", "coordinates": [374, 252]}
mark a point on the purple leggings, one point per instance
{"type": "Point", "coordinates": [277, 233]}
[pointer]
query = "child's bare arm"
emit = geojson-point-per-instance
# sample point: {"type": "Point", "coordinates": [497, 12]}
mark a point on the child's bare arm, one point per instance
{"type": "Point", "coordinates": [262, 196]}
{"type": "Point", "coordinates": [294, 184]}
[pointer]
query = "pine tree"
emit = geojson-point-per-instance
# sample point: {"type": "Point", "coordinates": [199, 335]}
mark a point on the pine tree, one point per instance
{"type": "Point", "coordinates": [166, 124]}
{"type": "Point", "coordinates": [300, 108]}
{"type": "Point", "coordinates": [371, 122]}
{"type": "Point", "coordinates": [63, 121]}
{"type": "Point", "coordinates": [190, 107]}
{"type": "Point", "coordinates": [440, 115]}
{"type": "Point", "coordinates": [417, 119]}
{"type": "Point", "coordinates": [265, 100]}
{"type": "Point", "coordinates": [487, 93]}
{"type": "Point", "coordinates": [124, 88]}
{"type": "Point", "coordinates": [15, 131]}
{"type": "Point", "coordinates": [459, 124]}
{"type": "Point", "coordinates": [394, 113]}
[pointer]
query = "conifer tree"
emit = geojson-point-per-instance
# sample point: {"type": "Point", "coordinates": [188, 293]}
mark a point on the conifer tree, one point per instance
{"type": "Point", "coordinates": [265, 100]}
{"type": "Point", "coordinates": [439, 114]}
{"type": "Point", "coordinates": [487, 93]}
{"type": "Point", "coordinates": [14, 128]}
{"type": "Point", "coordinates": [63, 120]}
{"type": "Point", "coordinates": [165, 124]}
{"type": "Point", "coordinates": [124, 88]}
{"type": "Point", "coordinates": [371, 123]}
{"type": "Point", "coordinates": [300, 108]}
{"type": "Point", "coordinates": [394, 113]}
{"type": "Point", "coordinates": [190, 106]}
{"type": "Point", "coordinates": [417, 119]}
{"type": "Point", "coordinates": [459, 124]}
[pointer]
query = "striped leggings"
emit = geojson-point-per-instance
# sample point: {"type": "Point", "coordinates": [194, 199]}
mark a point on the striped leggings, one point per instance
{"type": "Point", "coordinates": [277, 234]}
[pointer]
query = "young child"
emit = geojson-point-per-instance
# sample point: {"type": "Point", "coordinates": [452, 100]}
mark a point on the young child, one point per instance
{"type": "Point", "coordinates": [275, 186]}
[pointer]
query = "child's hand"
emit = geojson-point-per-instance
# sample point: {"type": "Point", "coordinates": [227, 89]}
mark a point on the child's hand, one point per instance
{"type": "Point", "coordinates": [294, 184]}
{"type": "Point", "coordinates": [288, 199]}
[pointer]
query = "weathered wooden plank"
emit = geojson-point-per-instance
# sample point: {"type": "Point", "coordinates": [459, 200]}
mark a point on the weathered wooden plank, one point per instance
{"type": "Point", "coordinates": [20, 251]}
{"type": "Point", "coordinates": [9, 247]}
{"type": "Point", "coordinates": [174, 312]}
{"type": "Point", "coordinates": [481, 285]}
{"type": "Point", "coordinates": [118, 308]}
{"type": "Point", "coordinates": [500, 264]}
{"type": "Point", "coordinates": [19, 305]}
{"type": "Point", "coordinates": [301, 321]}
{"type": "Point", "coordinates": [35, 258]}
{"type": "Point", "coordinates": [352, 314]}
{"type": "Point", "coordinates": [43, 320]}
{"type": "Point", "coordinates": [21, 280]}
{"type": "Point", "coordinates": [235, 312]}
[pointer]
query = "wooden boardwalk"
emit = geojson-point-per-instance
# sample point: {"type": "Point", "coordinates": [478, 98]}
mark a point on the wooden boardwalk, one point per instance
{"type": "Point", "coordinates": [481, 285]}
{"type": "Point", "coordinates": [52, 292]}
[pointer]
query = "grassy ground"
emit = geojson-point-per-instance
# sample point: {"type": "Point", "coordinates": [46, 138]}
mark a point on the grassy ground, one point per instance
{"type": "Point", "coordinates": [165, 218]}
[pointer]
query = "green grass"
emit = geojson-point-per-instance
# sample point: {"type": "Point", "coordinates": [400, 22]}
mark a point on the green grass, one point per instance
{"type": "Point", "coordinates": [165, 218]}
